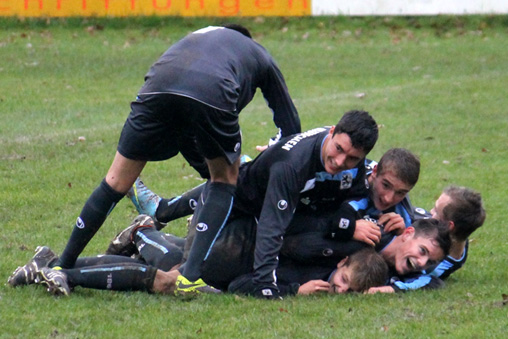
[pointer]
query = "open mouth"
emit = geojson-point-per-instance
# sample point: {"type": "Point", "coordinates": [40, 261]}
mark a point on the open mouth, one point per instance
{"type": "Point", "coordinates": [411, 265]}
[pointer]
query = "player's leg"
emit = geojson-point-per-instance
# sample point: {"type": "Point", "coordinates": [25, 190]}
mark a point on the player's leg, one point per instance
{"type": "Point", "coordinates": [156, 250]}
{"type": "Point", "coordinates": [121, 175]}
{"type": "Point", "coordinates": [161, 209]}
{"type": "Point", "coordinates": [217, 206]}
{"type": "Point", "coordinates": [219, 139]}
{"type": "Point", "coordinates": [117, 277]}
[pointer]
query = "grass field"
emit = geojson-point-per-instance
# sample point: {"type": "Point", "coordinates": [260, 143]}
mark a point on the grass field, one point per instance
{"type": "Point", "coordinates": [437, 86]}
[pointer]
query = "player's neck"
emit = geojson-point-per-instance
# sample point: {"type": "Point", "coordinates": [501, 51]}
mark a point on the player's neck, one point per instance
{"type": "Point", "coordinates": [457, 249]}
{"type": "Point", "coordinates": [388, 253]}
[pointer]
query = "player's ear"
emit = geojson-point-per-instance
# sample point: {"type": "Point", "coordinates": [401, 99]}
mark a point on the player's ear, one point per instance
{"type": "Point", "coordinates": [374, 171]}
{"type": "Point", "coordinates": [451, 226]}
{"type": "Point", "coordinates": [332, 129]}
{"type": "Point", "coordinates": [408, 233]}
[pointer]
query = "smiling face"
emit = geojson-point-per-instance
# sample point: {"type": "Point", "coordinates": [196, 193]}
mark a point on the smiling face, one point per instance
{"type": "Point", "coordinates": [338, 154]}
{"type": "Point", "coordinates": [416, 253]}
{"type": "Point", "coordinates": [387, 190]}
{"type": "Point", "coordinates": [341, 280]}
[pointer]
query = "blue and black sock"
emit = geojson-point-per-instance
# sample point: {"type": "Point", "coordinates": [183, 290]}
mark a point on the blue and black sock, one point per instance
{"type": "Point", "coordinates": [208, 223]}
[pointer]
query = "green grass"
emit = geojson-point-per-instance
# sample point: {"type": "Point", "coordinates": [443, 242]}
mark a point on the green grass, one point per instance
{"type": "Point", "coordinates": [437, 85]}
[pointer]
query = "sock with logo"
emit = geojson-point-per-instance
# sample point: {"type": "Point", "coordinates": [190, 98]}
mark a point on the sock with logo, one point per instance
{"type": "Point", "coordinates": [92, 216]}
{"type": "Point", "coordinates": [208, 223]}
{"type": "Point", "coordinates": [178, 207]}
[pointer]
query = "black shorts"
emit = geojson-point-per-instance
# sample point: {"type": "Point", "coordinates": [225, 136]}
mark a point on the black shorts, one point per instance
{"type": "Point", "coordinates": [161, 125]}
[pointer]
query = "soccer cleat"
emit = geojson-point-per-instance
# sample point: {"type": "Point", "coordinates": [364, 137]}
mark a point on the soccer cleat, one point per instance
{"type": "Point", "coordinates": [26, 275]}
{"type": "Point", "coordinates": [186, 287]}
{"type": "Point", "coordinates": [123, 243]}
{"type": "Point", "coordinates": [145, 201]}
{"type": "Point", "coordinates": [55, 280]}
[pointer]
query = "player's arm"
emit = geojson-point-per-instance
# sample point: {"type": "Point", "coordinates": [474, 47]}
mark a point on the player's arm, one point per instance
{"type": "Point", "coordinates": [276, 94]}
{"type": "Point", "coordinates": [346, 224]}
{"type": "Point", "coordinates": [313, 248]}
{"type": "Point", "coordinates": [277, 211]}
{"type": "Point", "coordinates": [313, 287]}
{"type": "Point", "coordinates": [416, 282]}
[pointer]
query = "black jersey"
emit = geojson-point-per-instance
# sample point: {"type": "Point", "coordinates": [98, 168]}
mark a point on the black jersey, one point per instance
{"type": "Point", "coordinates": [273, 184]}
{"type": "Point", "coordinates": [222, 68]}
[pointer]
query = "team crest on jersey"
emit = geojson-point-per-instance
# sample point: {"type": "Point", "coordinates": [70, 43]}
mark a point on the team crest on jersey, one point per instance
{"type": "Point", "coordinates": [327, 252]}
{"type": "Point", "coordinates": [267, 292]}
{"type": "Point", "coordinates": [346, 181]}
{"type": "Point", "coordinates": [282, 205]}
{"type": "Point", "coordinates": [344, 223]}
{"type": "Point", "coordinates": [80, 223]}
{"type": "Point", "coordinates": [420, 210]}
{"type": "Point", "coordinates": [192, 204]}
{"type": "Point", "coordinates": [201, 227]}
{"type": "Point", "coordinates": [237, 147]}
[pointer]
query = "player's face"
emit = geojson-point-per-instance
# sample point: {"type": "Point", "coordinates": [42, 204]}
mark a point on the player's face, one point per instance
{"type": "Point", "coordinates": [340, 282]}
{"type": "Point", "coordinates": [387, 190]}
{"type": "Point", "coordinates": [437, 211]}
{"type": "Point", "coordinates": [339, 154]}
{"type": "Point", "coordinates": [416, 253]}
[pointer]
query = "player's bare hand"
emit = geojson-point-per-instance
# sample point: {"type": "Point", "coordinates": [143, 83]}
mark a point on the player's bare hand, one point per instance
{"type": "Point", "coordinates": [380, 289]}
{"type": "Point", "coordinates": [392, 222]}
{"type": "Point", "coordinates": [314, 286]}
{"type": "Point", "coordinates": [261, 148]}
{"type": "Point", "coordinates": [367, 232]}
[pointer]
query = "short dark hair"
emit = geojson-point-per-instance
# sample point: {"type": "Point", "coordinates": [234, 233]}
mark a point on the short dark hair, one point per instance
{"type": "Point", "coordinates": [238, 28]}
{"type": "Point", "coordinates": [360, 127]}
{"type": "Point", "coordinates": [405, 164]}
{"type": "Point", "coordinates": [369, 269]}
{"type": "Point", "coordinates": [465, 209]}
{"type": "Point", "coordinates": [434, 229]}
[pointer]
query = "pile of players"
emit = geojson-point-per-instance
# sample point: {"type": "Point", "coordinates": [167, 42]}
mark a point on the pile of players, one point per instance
{"type": "Point", "coordinates": [309, 214]}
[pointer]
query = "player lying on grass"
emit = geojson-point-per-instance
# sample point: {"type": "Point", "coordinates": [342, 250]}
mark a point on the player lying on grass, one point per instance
{"type": "Point", "coordinates": [230, 258]}
{"type": "Point", "coordinates": [421, 245]}
{"type": "Point", "coordinates": [461, 208]}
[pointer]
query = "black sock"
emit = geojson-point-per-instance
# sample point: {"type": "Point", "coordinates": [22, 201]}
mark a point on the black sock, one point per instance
{"type": "Point", "coordinates": [117, 277]}
{"type": "Point", "coordinates": [156, 250]}
{"type": "Point", "coordinates": [105, 260]}
{"type": "Point", "coordinates": [209, 222]}
{"type": "Point", "coordinates": [178, 207]}
{"type": "Point", "coordinates": [93, 214]}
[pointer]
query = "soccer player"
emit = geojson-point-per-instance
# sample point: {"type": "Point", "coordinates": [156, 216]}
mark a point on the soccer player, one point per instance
{"type": "Point", "coordinates": [461, 208]}
{"type": "Point", "coordinates": [422, 244]}
{"type": "Point", "coordinates": [323, 163]}
{"type": "Point", "coordinates": [356, 272]}
{"type": "Point", "coordinates": [190, 103]}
